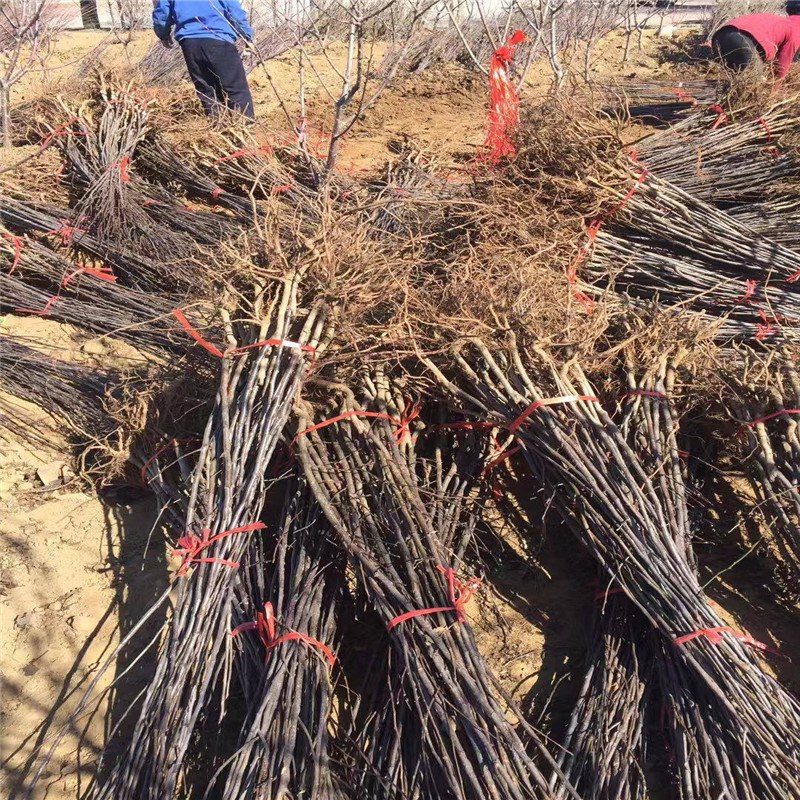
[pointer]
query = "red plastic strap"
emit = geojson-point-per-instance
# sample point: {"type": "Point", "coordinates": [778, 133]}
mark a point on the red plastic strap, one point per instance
{"type": "Point", "coordinates": [178, 314]}
{"type": "Point", "coordinates": [687, 98]}
{"type": "Point", "coordinates": [282, 188]}
{"type": "Point", "coordinates": [122, 165]}
{"type": "Point", "coordinates": [722, 117]}
{"type": "Point", "coordinates": [586, 301]}
{"type": "Point", "coordinates": [264, 624]}
{"type": "Point", "coordinates": [104, 273]}
{"type": "Point", "coordinates": [215, 193]}
{"type": "Point", "coordinates": [793, 278]}
{"type": "Point", "coordinates": [766, 127]}
{"type": "Point", "coordinates": [549, 401]}
{"type": "Point", "coordinates": [402, 425]}
{"type": "Point", "coordinates": [468, 425]}
{"type": "Point", "coordinates": [643, 173]}
{"type": "Point", "coordinates": [608, 593]}
{"type": "Point", "coordinates": [505, 455]}
{"type": "Point", "coordinates": [162, 449]}
{"type": "Point", "coordinates": [714, 635]}
{"type": "Point", "coordinates": [190, 546]}
{"type": "Point", "coordinates": [764, 328]}
{"type": "Point", "coordinates": [749, 291]}
{"type": "Point", "coordinates": [459, 594]}
{"type": "Point", "coordinates": [235, 154]}
{"type": "Point", "coordinates": [767, 418]}
{"type": "Point", "coordinates": [17, 243]}
{"type": "Point", "coordinates": [643, 393]}
{"type": "Point", "coordinates": [66, 231]}
{"type": "Point", "coordinates": [592, 229]}
{"type": "Point", "coordinates": [42, 311]}
{"type": "Point", "coordinates": [306, 348]}
{"type": "Point", "coordinates": [503, 114]}
{"type": "Point", "coordinates": [152, 202]}
{"type": "Point", "coordinates": [61, 130]}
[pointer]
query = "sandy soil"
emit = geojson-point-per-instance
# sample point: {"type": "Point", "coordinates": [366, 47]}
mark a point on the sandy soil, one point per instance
{"type": "Point", "coordinates": [77, 569]}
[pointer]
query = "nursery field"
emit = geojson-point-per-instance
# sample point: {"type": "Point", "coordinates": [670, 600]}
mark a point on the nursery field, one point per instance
{"type": "Point", "coordinates": [413, 441]}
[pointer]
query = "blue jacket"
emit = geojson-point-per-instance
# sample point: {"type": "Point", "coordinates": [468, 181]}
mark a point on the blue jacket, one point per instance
{"type": "Point", "coordinates": [225, 20]}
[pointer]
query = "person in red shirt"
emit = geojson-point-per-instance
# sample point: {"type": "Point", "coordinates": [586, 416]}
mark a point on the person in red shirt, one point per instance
{"type": "Point", "coordinates": [760, 37]}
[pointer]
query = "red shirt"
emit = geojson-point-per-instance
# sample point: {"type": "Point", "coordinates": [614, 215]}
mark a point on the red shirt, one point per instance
{"type": "Point", "coordinates": [779, 36]}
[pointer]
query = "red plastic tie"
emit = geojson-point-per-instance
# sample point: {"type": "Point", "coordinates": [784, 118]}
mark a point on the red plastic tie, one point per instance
{"type": "Point", "coordinates": [235, 154]}
{"type": "Point", "coordinates": [264, 624]}
{"type": "Point", "coordinates": [586, 301]}
{"type": "Point", "coordinates": [162, 449]}
{"type": "Point", "coordinates": [766, 418]}
{"type": "Point", "coordinates": [686, 98]}
{"type": "Point", "coordinates": [766, 127]}
{"type": "Point", "coordinates": [66, 231]}
{"type": "Point", "coordinates": [714, 635]}
{"type": "Point", "coordinates": [178, 314]}
{"type": "Point", "coordinates": [608, 592]}
{"type": "Point", "coordinates": [793, 278]}
{"type": "Point", "coordinates": [215, 193]}
{"type": "Point", "coordinates": [458, 592]}
{"type": "Point", "coordinates": [402, 425]}
{"type": "Point", "coordinates": [764, 328]}
{"type": "Point", "coordinates": [549, 401]}
{"type": "Point", "coordinates": [42, 311]}
{"type": "Point", "coordinates": [61, 130]}
{"type": "Point", "coordinates": [190, 546]}
{"type": "Point", "coordinates": [104, 273]}
{"type": "Point", "coordinates": [642, 176]}
{"type": "Point", "coordinates": [282, 188]}
{"type": "Point", "coordinates": [643, 393]}
{"type": "Point", "coordinates": [749, 291]}
{"type": "Point", "coordinates": [122, 166]}
{"type": "Point", "coordinates": [17, 243]}
{"type": "Point", "coordinates": [503, 113]}
{"type": "Point", "coordinates": [722, 117]}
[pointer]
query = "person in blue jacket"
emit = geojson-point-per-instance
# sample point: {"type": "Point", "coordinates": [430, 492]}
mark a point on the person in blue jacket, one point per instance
{"type": "Point", "coordinates": [207, 31]}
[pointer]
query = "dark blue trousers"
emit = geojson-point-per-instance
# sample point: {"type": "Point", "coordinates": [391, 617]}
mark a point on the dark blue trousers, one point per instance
{"type": "Point", "coordinates": [217, 72]}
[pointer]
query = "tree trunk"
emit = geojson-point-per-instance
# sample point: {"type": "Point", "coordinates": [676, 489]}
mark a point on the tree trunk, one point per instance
{"type": "Point", "coordinates": [5, 116]}
{"type": "Point", "coordinates": [89, 16]}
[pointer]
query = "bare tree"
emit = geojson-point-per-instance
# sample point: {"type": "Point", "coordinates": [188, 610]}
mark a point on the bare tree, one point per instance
{"type": "Point", "coordinates": [27, 30]}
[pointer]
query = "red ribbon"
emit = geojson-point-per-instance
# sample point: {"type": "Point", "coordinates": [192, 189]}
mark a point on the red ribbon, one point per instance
{"type": "Point", "coordinates": [722, 117]}
{"type": "Point", "coordinates": [66, 231]}
{"type": "Point", "coordinates": [766, 127]}
{"type": "Point", "coordinates": [643, 393]}
{"type": "Point", "coordinates": [687, 98]}
{"type": "Point", "coordinates": [608, 592]}
{"type": "Point", "coordinates": [187, 326]}
{"type": "Point", "coordinates": [765, 328]}
{"type": "Point", "coordinates": [215, 193]}
{"type": "Point", "coordinates": [549, 401]}
{"type": "Point", "coordinates": [767, 418]}
{"type": "Point", "coordinates": [162, 449]}
{"type": "Point", "coordinates": [714, 635]}
{"type": "Point", "coordinates": [264, 624]}
{"type": "Point", "coordinates": [122, 165]}
{"type": "Point", "coordinates": [402, 425]}
{"type": "Point", "coordinates": [17, 243]}
{"type": "Point", "coordinates": [42, 311]}
{"type": "Point", "coordinates": [104, 273]}
{"type": "Point", "coordinates": [458, 592]}
{"type": "Point", "coordinates": [793, 278]}
{"type": "Point", "coordinates": [516, 423]}
{"type": "Point", "coordinates": [749, 291]}
{"type": "Point", "coordinates": [283, 188]}
{"type": "Point", "coordinates": [503, 114]}
{"type": "Point", "coordinates": [190, 546]}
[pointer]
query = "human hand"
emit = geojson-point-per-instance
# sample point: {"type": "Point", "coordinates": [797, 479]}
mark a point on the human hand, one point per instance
{"type": "Point", "coordinates": [168, 42]}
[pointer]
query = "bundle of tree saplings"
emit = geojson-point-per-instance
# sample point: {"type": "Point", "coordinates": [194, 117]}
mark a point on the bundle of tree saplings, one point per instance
{"type": "Point", "coordinates": [407, 530]}
{"type": "Point", "coordinates": [634, 522]}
